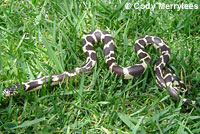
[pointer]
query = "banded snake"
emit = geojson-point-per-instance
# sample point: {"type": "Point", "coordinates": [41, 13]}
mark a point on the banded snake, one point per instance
{"type": "Point", "coordinates": [164, 76]}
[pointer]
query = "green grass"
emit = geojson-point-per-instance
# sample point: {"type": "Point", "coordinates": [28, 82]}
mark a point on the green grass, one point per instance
{"type": "Point", "coordinates": [38, 38]}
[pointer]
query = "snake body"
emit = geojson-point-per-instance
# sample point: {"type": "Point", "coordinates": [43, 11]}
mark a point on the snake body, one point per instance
{"type": "Point", "coordinates": [164, 76]}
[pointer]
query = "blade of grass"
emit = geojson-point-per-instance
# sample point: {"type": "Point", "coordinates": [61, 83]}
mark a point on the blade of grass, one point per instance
{"type": "Point", "coordinates": [52, 54]}
{"type": "Point", "coordinates": [30, 123]}
{"type": "Point", "coordinates": [126, 120]}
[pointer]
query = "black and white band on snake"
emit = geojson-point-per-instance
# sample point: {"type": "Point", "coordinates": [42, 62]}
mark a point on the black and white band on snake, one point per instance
{"type": "Point", "coordinates": [164, 77]}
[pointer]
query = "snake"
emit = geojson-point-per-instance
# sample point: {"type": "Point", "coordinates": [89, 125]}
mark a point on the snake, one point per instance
{"type": "Point", "coordinates": [165, 78]}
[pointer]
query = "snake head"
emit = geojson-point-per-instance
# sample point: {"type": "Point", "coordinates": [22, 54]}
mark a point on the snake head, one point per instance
{"type": "Point", "coordinates": [10, 91]}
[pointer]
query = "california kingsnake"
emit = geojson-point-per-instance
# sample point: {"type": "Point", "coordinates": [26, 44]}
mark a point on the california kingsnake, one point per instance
{"type": "Point", "coordinates": [164, 77]}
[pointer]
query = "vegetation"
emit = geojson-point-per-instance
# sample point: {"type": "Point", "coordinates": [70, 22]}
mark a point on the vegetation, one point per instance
{"type": "Point", "coordinates": [39, 38]}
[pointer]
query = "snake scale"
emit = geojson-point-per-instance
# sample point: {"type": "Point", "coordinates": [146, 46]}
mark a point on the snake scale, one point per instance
{"type": "Point", "coordinates": [164, 76]}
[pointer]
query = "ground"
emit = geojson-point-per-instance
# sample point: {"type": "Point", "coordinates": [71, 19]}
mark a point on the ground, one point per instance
{"type": "Point", "coordinates": [39, 38]}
